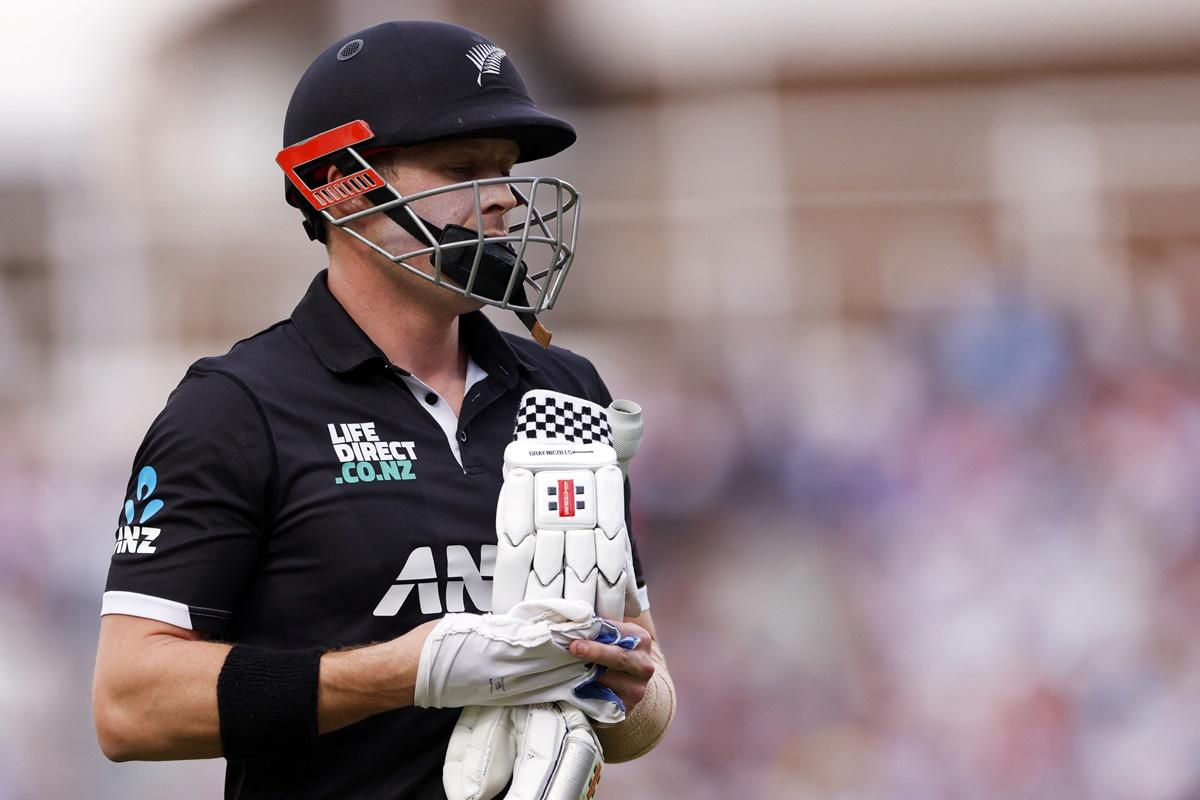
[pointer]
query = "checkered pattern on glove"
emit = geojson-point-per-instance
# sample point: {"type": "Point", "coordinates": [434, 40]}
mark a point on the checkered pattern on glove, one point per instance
{"type": "Point", "coordinates": [544, 414]}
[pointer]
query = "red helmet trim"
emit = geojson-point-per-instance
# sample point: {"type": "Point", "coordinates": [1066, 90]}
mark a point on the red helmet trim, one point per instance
{"type": "Point", "coordinates": [323, 145]}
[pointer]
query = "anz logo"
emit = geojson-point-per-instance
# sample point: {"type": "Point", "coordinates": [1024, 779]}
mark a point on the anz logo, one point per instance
{"type": "Point", "coordinates": [420, 573]}
{"type": "Point", "coordinates": [139, 538]}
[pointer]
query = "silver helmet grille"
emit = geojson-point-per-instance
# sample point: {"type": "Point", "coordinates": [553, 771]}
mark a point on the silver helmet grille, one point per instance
{"type": "Point", "coordinates": [543, 238]}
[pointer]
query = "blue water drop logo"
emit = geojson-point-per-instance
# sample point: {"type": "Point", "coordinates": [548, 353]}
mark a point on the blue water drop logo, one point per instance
{"type": "Point", "coordinates": [147, 481]}
{"type": "Point", "coordinates": [150, 510]}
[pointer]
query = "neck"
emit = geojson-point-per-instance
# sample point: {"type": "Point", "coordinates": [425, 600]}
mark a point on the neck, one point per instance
{"type": "Point", "coordinates": [420, 337]}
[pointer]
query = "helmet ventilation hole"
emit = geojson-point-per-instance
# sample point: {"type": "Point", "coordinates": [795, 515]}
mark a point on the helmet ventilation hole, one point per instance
{"type": "Point", "coordinates": [350, 49]}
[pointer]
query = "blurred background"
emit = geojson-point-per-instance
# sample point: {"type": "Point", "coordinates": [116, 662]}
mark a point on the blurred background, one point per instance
{"type": "Point", "coordinates": [910, 293]}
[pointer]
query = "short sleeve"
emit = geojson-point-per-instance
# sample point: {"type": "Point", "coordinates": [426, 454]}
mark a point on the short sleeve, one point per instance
{"type": "Point", "coordinates": [196, 508]}
{"type": "Point", "coordinates": [601, 396]}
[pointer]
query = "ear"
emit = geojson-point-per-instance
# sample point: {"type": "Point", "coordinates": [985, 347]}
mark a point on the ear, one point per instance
{"type": "Point", "coordinates": [346, 207]}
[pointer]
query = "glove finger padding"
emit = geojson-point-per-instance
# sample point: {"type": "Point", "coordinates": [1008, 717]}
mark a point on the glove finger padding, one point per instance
{"type": "Point", "coordinates": [515, 658]}
{"type": "Point", "coordinates": [558, 755]}
{"type": "Point", "coordinates": [614, 555]}
{"type": "Point", "coordinates": [479, 759]}
{"type": "Point", "coordinates": [560, 519]}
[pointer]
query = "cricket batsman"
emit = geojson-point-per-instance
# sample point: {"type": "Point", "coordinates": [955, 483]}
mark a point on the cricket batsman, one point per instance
{"type": "Point", "coordinates": [381, 549]}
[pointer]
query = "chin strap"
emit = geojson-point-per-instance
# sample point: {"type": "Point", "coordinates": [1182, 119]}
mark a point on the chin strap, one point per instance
{"type": "Point", "coordinates": [497, 262]}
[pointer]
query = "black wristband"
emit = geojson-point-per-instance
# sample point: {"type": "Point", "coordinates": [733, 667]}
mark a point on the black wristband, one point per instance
{"type": "Point", "coordinates": [267, 701]}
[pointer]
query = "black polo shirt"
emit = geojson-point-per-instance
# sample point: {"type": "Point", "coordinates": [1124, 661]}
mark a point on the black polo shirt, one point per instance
{"type": "Point", "coordinates": [294, 493]}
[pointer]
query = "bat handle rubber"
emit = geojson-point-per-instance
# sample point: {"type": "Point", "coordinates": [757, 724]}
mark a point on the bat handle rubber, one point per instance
{"type": "Point", "coordinates": [625, 417]}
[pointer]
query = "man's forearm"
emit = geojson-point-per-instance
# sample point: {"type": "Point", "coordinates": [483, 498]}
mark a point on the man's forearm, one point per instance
{"type": "Point", "coordinates": [356, 684]}
{"type": "Point", "coordinates": [156, 695]}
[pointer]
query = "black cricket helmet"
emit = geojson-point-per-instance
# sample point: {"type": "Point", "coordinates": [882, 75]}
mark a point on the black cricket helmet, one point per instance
{"type": "Point", "coordinates": [405, 83]}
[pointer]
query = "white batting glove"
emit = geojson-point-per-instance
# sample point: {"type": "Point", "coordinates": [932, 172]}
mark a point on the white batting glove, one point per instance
{"type": "Point", "coordinates": [560, 520]}
{"type": "Point", "coordinates": [516, 658]}
{"type": "Point", "coordinates": [480, 755]}
{"type": "Point", "coordinates": [548, 750]}
{"type": "Point", "coordinates": [560, 525]}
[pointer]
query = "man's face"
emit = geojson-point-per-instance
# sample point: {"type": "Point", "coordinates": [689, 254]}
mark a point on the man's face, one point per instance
{"type": "Point", "coordinates": [429, 166]}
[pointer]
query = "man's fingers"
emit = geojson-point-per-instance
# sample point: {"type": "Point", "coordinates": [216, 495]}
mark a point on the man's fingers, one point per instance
{"type": "Point", "coordinates": [636, 663]}
{"type": "Point", "coordinates": [633, 629]}
{"type": "Point", "coordinates": [629, 689]}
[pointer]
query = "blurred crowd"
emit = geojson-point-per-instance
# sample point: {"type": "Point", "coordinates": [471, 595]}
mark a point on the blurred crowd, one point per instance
{"type": "Point", "coordinates": [973, 571]}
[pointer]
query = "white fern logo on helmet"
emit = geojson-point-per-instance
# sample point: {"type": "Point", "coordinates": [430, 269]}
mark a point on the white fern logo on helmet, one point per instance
{"type": "Point", "coordinates": [486, 58]}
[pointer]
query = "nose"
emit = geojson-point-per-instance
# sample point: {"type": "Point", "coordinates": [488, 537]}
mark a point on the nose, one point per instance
{"type": "Point", "coordinates": [496, 200]}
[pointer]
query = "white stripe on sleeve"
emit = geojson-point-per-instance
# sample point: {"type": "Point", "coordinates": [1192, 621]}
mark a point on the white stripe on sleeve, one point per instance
{"type": "Point", "coordinates": [148, 606]}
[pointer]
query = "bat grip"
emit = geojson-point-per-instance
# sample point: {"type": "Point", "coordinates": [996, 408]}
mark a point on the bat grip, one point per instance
{"type": "Point", "coordinates": [625, 418]}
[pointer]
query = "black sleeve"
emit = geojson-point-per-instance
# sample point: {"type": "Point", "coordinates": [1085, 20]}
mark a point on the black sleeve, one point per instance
{"type": "Point", "coordinates": [196, 508]}
{"type": "Point", "coordinates": [599, 394]}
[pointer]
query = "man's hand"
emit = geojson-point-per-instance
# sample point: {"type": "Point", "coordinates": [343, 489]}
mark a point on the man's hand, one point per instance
{"type": "Point", "coordinates": [628, 671]}
{"type": "Point", "coordinates": [517, 658]}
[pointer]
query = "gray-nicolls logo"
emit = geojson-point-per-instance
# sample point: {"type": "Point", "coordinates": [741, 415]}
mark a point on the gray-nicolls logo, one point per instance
{"type": "Point", "coordinates": [486, 58]}
{"type": "Point", "coordinates": [420, 571]}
